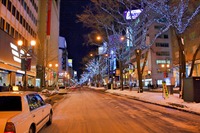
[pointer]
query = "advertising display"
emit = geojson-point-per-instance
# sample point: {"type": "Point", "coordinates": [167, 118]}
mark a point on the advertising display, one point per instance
{"type": "Point", "coordinates": [133, 14]}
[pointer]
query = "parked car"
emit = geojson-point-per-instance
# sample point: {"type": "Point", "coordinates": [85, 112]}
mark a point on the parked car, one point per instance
{"type": "Point", "coordinates": [23, 112]}
{"type": "Point", "coordinates": [62, 90]}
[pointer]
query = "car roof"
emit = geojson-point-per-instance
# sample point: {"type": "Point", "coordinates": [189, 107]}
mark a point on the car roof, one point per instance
{"type": "Point", "coordinates": [17, 93]}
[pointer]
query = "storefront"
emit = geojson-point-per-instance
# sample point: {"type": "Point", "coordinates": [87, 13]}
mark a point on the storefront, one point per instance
{"type": "Point", "coordinates": [4, 78]}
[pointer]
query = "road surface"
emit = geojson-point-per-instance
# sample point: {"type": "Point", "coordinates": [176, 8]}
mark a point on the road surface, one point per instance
{"type": "Point", "coordinates": [89, 111]}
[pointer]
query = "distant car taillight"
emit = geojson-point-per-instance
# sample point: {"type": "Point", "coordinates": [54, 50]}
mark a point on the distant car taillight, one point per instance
{"type": "Point", "coordinates": [10, 128]}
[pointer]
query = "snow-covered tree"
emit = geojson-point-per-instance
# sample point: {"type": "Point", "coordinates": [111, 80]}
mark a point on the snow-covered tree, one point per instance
{"type": "Point", "coordinates": [113, 32]}
{"type": "Point", "coordinates": [178, 16]}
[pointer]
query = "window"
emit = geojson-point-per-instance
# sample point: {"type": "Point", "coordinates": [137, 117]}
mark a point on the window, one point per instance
{"type": "Point", "coordinates": [16, 35]}
{"type": "Point", "coordinates": [163, 36]}
{"type": "Point", "coordinates": [163, 53]}
{"type": "Point", "coordinates": [25, 6]}
{"type": "Point", "coordinates": [32, 102]}
{"type": "Point", "coordinates": [162, 45]}
{"type": "Point", "coordinates": [158, 27]}
{"type": "Point", "coordinates": [7, 28]}
{"type": "Point", "coordinates": [2, 23]}
{"type": "Point", "coordinates": [12, 32]}
{"type": "Point", "coordinates": [4, 2]}
{"type": "Point", "coordinates": [17, 15]}
{"type": "Point", "coordinates": [21, 19]}
{"type": "Point", "coordinates": [24, 23]}
{"type": "Point", "coordinates": [26, 26]}
{"type": "Point", "coordinates": [19, 36]}
{"type": "Point", "coordinates": [13, 10]}
{"type": "Point", "coordinates": [41, 101]}
{"type": "Point", "coordinates": [35, 101]}
{"type": "Point", "coordinates": [22, 2]}
{"type": "Point", "coordinates": [9, 5]}
{"type": "Point", "coordinates": [10, 103]}
{"type": "Point", "coordinates": [28, 10]}
{"type": "Point", "coordinates": [166, 37]}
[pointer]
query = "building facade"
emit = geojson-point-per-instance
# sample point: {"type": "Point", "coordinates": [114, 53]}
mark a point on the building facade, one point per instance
{"type": "Point", "coordinates": [158, 67]}
{"type": "Point", "coordinates": [19, 21]}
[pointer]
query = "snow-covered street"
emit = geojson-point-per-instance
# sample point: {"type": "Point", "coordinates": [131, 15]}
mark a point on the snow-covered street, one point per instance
{"type": "Point", "coordinates": [87, 111]}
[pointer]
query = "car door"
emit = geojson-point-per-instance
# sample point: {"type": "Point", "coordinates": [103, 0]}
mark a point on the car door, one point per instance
{"type": "Point", "coordinates": [36, 110]}
{"type": "Point", "coordinates": [45, 108]}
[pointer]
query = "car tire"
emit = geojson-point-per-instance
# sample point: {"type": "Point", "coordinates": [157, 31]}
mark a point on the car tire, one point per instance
{"type": "Point", "coordinates": [31, 130]}
{"type": "Point", "coordinates": [50, 119]}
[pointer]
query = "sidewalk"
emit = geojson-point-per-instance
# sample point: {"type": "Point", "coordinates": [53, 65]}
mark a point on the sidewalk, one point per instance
{"type": "Point", "coordinates": [173, 101]}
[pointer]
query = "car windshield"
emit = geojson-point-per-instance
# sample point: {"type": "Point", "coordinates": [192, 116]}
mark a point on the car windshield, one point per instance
{"type": "Point", "coordinates": [10, 103]}
{"type": "Point", "coordinates": [61, 87]}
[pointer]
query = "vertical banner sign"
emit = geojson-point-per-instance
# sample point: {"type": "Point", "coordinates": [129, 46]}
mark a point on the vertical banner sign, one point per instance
{"type": "Point", "coordinates": [49, 17]}
{"type": "Point", "coordinates": [165, 91]}
{"type": "Point", "coordinates": [28, 64]}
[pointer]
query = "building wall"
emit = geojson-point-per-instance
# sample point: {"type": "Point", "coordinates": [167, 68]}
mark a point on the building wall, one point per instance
{"type": "Point", "coordinates": [18, 21]}
{"type": "Point", "coordinates": [53, 45]}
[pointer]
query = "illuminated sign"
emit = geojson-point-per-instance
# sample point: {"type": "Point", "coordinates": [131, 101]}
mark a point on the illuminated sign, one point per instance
{"type": "Point", "coordinates": [15, 53]}
{"type": "Point", "coordinates": [133, 14]}
{"type": "Point", "coordinates": [70, 62]}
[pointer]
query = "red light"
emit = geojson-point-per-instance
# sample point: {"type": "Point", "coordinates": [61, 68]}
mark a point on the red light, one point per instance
{"type": "Point", "coordinates": [10, 128]}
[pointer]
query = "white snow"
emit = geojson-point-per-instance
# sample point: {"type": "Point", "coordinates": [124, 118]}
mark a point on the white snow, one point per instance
{"type": "Point", "coordinates": [157, 98]}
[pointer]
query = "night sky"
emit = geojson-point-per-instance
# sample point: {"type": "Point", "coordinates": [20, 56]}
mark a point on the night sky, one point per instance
{"type": "Point", "coordinates": [74, 31]}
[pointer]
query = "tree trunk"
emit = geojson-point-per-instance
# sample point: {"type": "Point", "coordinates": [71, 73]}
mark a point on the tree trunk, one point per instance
{"type": "Point", "coordinates": [121, 75]}
{"type": "Point", "coordinates": [145, 61]}
{"type": "Point", "coordinates": [182, 65]}
{"type": "Point", "coordinates": [138, 55]}
{"type": "Point", "coordinates": [193, 60]}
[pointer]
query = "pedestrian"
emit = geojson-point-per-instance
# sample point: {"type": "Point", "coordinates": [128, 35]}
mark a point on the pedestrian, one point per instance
{"type": "Point", "coordinates": [9, 87]}
{"type": "Point", "coordinates": [4, 84]}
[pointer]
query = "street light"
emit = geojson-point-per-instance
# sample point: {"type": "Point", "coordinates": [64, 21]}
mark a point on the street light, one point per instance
{"type": "Point", "coordinates": [52, 69]}
{"type": "Point", "coordinates": [26, 57]}
{"type": "Point", "coordinates": [165, 68]}
{"type": "Point", "coordinates": [99, 38]}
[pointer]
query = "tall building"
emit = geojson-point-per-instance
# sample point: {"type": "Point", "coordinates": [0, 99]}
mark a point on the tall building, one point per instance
{"type": "Point", "coordinates": [18, 21]}
{"type": "Point", "coordinates": [159, 58]}
{"type": "Point", "coordinates": [158, 67]}
{"type": "Point", "coordinates": [28, 20]}
{"type": "Point", "coordinates": [63, 73]}
{"type": "Point", "coordinates": [48, 47]}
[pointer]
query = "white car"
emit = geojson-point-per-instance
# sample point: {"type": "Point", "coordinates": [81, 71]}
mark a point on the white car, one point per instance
{"type": "Point", "coordinates": [23, 112]}
{"type": "Point", "coordinates": [62, 90]}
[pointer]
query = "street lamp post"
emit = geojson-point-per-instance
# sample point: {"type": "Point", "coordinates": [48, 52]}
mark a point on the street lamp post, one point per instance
{"type": "Point", "coordinates": [25, 54]}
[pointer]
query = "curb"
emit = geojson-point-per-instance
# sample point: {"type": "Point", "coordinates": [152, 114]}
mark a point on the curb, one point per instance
{"type": "Point", "coordinates": [176, 106]}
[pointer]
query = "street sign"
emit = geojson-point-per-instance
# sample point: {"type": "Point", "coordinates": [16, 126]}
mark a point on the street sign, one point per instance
{"type": "Point", "coordinates": [165, 91]}
{"type": "Point", "coordinates": [25, 57]}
